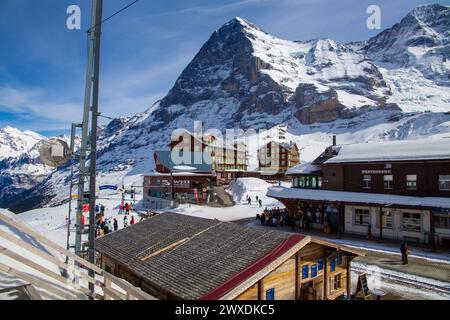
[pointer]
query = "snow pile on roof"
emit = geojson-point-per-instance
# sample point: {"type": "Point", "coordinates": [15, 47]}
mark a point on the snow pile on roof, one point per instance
{"type": "Point", "coordinates": [423, 149]}
{"type": "Point", "coordinates": [357, 197]}
{"type": "Point", "coordinates": [303, 168]}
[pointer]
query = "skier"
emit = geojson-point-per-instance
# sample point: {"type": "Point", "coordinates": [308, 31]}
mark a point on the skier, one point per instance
{"type": "Point", "coordinates": [120, 209]}
{"type": "Point", "coordinates": [132, 221]}
{"type": "Point", "coordinates": [127, 208]}
{"type": "Point", "coordinates": [404, 249]}
{"type": "Point", "coordinates": [102, 210]}
{"type": "Point", "coordinates": [260, 203]}
{"type": "Point", "coordinates": [125, 221]}
{"type": "Point", "coordinates": [116, 224]}
{"type": "Point", "coordinates": [249, 200]}
{"type": "Point", "coordinates": [257, 198]}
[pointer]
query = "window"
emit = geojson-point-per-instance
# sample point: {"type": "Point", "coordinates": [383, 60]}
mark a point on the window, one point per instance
{"type": "Point", "coordinates": [388, 180]}
{"type": "Point", "coordinates": [444, 182]}
{"type": "Point", "coordinates": [319, 182]}
{"type": "Point", "coordinates": [337, 283]}
{"type": "Point", "coordinates": [313, 182]}
{"type": "Point", "coordinates": [387, 219]}
{"type": "Point", "coordinates": [301, 182]}
{"type": "Point", "coordinates": [361, 217]}
{"type": "Point", "coordinates": [307, 182]}
{"type": "Point", "coordinates": [412, 222]}
{"type": "Point", "coordinates": [295, 182]}
{"type": "Point", "coordinates": [305, 272]}
{"type": "Point", "coordinates": [411, 182]}
{"type": "Point", "coordinates": [441, 221]}
{"type": "Point", "coordinates": [367, 181]}
{"type": "Point", "coordinates": [388, 165]}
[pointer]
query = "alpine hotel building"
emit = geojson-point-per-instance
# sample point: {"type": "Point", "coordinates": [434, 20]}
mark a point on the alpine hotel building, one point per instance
{"type": "Point", "coordinates": [398, 190]}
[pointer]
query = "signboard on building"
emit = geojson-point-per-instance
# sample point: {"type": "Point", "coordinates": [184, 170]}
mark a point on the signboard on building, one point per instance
{"type": "Point", "coordinates": [376, 171]}
{"type": "Point", "coordinates": [181, 184]}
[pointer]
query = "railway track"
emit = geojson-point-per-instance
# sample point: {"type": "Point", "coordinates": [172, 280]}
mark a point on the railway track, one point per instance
{"type": "Point", "coordinates": [408, 279]}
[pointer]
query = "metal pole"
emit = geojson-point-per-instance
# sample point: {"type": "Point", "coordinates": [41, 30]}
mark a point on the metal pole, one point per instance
{"type": "Point", "coordinates": [69, 218]}
{"type": "Point", "coordinates": [93, 146]}
{"type": "Point", "coordinates": [85, 130]}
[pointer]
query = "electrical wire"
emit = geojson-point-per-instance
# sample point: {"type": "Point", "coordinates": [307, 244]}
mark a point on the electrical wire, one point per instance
{"type": "Point", "coordinates": [113, 15]}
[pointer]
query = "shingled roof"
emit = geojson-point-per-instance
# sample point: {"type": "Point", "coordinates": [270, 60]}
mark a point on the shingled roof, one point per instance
{"type": "Point", "coordinates": [190, 257]}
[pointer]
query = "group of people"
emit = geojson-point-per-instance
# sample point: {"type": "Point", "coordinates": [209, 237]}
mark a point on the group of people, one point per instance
{"type": "Point", "coordinates": [106, 226]}
{"type": "Point", "coordinates": [124, 208]}
{"type": "Point", "coordinates": [273, 217]}
{"type": "Point", "coordinates": [258, 200]}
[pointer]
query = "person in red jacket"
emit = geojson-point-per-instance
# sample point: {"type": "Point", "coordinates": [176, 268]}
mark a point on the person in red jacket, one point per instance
{"type": "Point", "coordinates": [132, 220]}
{"type": "Point", "coordinates": [127, 208]}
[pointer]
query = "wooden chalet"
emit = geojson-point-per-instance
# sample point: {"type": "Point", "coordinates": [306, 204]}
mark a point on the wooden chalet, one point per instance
{"type": "Point", "coordinates": [172, 256]}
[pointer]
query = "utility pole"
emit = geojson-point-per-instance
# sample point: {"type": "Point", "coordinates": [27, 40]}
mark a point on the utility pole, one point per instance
{"type": "Point", "coordinates": [90, 109]}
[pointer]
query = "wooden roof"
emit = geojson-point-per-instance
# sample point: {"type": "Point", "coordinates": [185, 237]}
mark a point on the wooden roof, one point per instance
{"type": "Point", "coordinates": [206, 252]}
{"type": "Point", "coordinates": [197, 258]}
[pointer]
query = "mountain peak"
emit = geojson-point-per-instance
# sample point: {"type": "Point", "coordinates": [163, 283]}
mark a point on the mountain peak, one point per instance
{"type": "Point", "coordinates": [240, 24]}
{"type": "Point", "coordinates": [428, 12]}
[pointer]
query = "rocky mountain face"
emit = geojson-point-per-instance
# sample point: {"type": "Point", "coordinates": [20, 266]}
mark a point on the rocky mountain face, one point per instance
{"type": "Point", "coordinates": [392, 86]}
{"type": "Point", "coordinates": [421, 40]}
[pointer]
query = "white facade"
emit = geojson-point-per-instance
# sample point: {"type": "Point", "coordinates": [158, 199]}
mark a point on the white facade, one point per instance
{"type": "Point", "coordinates": [398, 224]}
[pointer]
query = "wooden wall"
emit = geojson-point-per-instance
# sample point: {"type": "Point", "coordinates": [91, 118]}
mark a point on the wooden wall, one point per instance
{"type": "Point", "coordinates": [283, 279]}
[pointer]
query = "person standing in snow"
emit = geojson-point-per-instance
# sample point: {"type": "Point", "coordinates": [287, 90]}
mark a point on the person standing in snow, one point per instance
{"type": "Point", "coordinates": [125, 221]}
{"type": "Point", "coordinates": [127, 208]}
{"type": "Point", "coordinates": [102, 210]}
{"type": "Point", "coordinates": [116, 224]}
{"type": "Point", "coordinates": [257, 198]}
{"type": "Point", "coordinates": [249, 200]}
{"type": "Point", "coordinates": [120, 209]}
{"type": "Point", "coordinates": [132, 221]}
{"type": "Point", "coordinates": [404, 249]}
{"type": "Point", "coordinates": [260, 203]}
{"type": "Point", "coordinates": [369, 231]}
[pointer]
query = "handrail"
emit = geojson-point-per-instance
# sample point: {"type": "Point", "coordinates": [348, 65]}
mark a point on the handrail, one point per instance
{"type": "Point", "coordinates": [103, 280]}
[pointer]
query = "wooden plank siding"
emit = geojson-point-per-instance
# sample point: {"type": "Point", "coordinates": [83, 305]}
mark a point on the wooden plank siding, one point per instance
{"type": "Point", "coordinates": [282, 280]}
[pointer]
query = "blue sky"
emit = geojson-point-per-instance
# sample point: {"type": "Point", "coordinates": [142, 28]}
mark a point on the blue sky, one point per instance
{"type": "Point", "coordinates": [144, 49]}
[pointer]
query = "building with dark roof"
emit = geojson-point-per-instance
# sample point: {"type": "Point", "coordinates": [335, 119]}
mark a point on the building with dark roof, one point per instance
{"type": "Point", "coordinates": [393, 189]}
{"type": "Point", "coordinates": [174, 256]}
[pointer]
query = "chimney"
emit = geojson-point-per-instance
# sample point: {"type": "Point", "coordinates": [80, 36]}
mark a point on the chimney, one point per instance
{"type": "Point", "coordinates": [334, 140]}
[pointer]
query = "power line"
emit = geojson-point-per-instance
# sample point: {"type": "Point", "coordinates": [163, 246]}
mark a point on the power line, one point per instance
{"type": "Point", "coordinates": [113, 15]}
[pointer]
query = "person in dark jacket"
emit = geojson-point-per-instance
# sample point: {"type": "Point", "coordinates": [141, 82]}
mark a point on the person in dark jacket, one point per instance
{"type": "Point", "coordinates": [115, 224]}
{"type": "Point", "coordinates": [404, 249]}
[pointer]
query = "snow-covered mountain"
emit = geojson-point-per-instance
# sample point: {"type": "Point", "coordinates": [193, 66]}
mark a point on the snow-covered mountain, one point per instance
{"type": "Point", "coordinates": [245, 78]}
{"type": "Point", "coordinates": [14, 143]}
{"type": "Point", "coordinates": [22, 169]}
